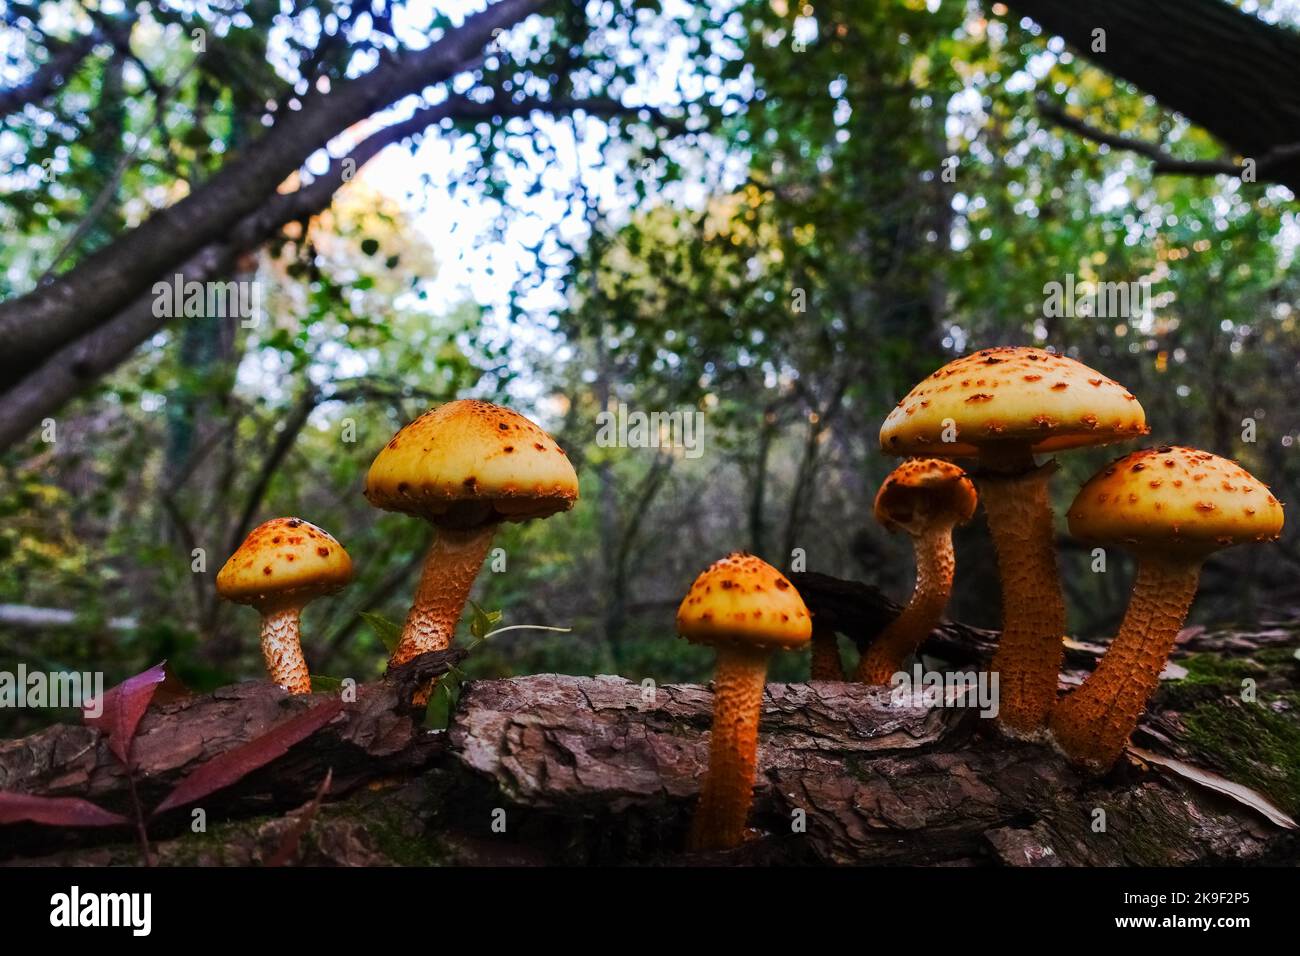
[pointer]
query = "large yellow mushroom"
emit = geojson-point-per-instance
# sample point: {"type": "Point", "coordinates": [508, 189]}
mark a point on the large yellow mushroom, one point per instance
{"type": "Point", "coordinates": [1172, 507]}
{"type": "Point", "coordinates": [465, 467]}
{"type": "Point", "coordinates": [1003, 406]}
{"type": "Point", "coordinates": [745, 609]}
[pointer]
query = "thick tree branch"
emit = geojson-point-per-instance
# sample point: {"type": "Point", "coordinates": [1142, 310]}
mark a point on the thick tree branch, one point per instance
{"type": "Point", "coordinates": [1225, 70]}
{"type": "Point", "coordinates": [75, 367]}
{"type": "Point", "coordinates": [1164, 162]}
{"type": "Point", "coordinates": [34, 325]}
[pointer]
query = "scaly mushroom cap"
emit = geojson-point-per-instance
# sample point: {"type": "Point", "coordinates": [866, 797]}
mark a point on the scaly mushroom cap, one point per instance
{"type": "Point", "coordinates": [284, 559]}
{"type": "Point", "coordinates": [1011, 395]}
{"type": "Point", "coordinates": [1176, 501]}
{"type": "Point", "coordinates": [742, 600]}
{"type": "Point", "coordinates": [468, 463]}
{"type": "Point", "coordinates": [924, 490]}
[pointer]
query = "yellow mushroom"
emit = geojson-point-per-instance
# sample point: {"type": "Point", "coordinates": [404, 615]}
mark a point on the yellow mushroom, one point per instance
{"type": "Point", "coordinates": [1172, 507]}
{"type": "Point", "coordinates": [282, 565]}
{"type": "Point", "coordinates": [745, 609]}
{"type": "Point", "coordinates": [465, 467]}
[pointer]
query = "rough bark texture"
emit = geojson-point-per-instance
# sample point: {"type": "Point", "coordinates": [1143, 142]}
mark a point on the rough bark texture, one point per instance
{"type": "Point", "coordinates": [558, 769]}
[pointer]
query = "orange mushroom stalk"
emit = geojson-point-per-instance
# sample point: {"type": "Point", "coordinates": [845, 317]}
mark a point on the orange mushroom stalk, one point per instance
{"type": "Point", "coordinates": [281, 566]}
{"type": "Point", "coordinates": [1002, 406]}
{"type": "Point", "coordinates": [1172, 507]}
{"type": "Point", "coordinates": [745, 608]}
{"type": "Point", "coordinates": [465, 467]}
{"type": "Point", "coordinates": [926, 498]}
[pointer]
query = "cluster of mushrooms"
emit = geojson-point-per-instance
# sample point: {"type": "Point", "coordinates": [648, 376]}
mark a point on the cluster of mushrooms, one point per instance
{"type": "Point", "coordinates": [468, 466]}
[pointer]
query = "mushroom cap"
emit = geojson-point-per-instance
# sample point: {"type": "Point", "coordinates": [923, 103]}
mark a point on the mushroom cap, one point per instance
{"type": "Point", "coordinates": [742, 600]}
{"type": "Point", "coordinates": [1176, 501]}
{"type": "Point", "coordinates": [1012, 396]}
{"type": "Point", "coordinates": [469, 463]}
{"type": "Point", "coordinates": [923, 491]}
{"type": "Point", "coordinates": [282, 560]}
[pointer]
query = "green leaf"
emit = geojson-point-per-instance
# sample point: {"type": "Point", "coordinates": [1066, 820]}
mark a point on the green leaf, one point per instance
{"type": "Point", "coordinates": [387, 631]}
{"type": "Point", "coordinates": [481, 623]}
{"type": "Point", "coordinates": [370, 246]}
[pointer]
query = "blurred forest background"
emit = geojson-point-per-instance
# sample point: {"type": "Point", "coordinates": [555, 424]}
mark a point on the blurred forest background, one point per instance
{"type": "Point", "coordinates": [781, 216]}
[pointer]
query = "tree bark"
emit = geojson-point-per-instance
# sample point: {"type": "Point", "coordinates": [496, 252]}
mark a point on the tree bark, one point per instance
{"type": "Point", "coordinates": [560, 769]}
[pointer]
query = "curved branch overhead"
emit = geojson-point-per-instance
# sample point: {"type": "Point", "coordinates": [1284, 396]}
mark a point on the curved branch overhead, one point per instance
{"type": "Point", "coordinates": [1227, 71]}
{"type": "Point", "coordinates": [67, 372]}
{"type": "Point", "coordinates": [34, 325]}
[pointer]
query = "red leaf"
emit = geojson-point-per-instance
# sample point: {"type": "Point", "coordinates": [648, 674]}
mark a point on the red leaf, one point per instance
{"type": "Point", "coordinates": [123, 706]}
{"type": "Point", "coordinates": [55, 811]}
{"type": "Point", "coordinates": [233, 765]}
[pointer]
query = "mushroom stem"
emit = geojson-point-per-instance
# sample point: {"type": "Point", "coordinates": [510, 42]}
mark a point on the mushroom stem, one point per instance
{"type": "Point", "coordinates": [733, 749]}
{"type": "Point", "coordinates": [1028, 658]}
{"type": "Point", "coordinates": [826, 663]}
{"type": "Point", "coordinates": [282, 650]}
{"type": "Point", "coordinates": [450, 567]}
{"type": "Point", "coordinates": [1093, 723]}
{"type": "Point", "coordinates": [934, 570]}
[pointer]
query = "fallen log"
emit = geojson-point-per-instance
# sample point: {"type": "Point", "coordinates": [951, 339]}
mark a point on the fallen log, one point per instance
{"type": "Point", "coordinates": [560, 769]}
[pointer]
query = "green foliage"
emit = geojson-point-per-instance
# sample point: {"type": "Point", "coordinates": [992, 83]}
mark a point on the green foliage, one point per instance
{"type": "Point", "coordinates": [787, 268]}
{"type": "Point", "coordinates": [388, 632]}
